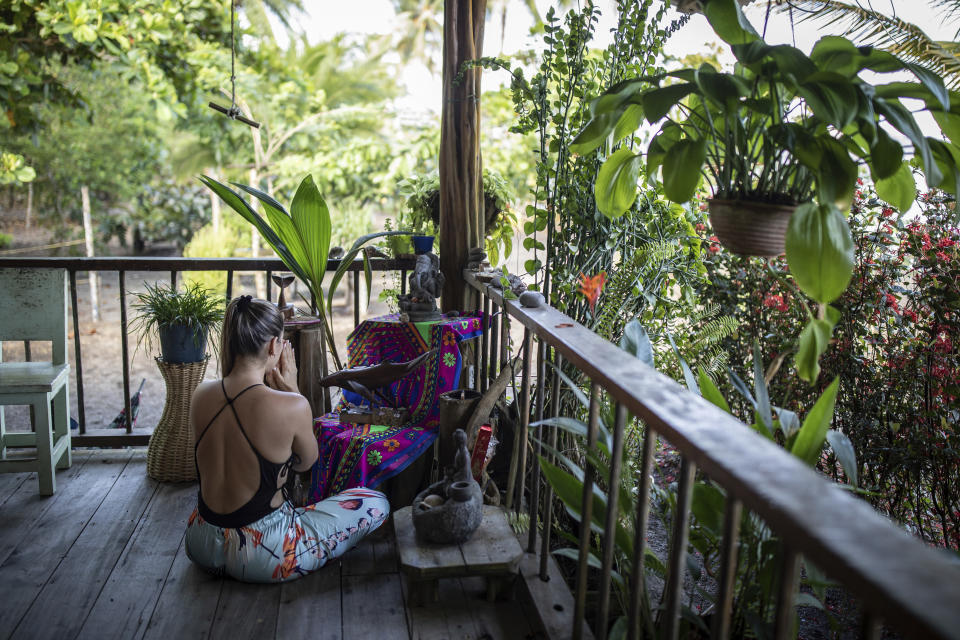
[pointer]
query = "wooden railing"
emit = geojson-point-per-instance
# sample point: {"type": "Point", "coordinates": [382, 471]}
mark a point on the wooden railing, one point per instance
{"type": "Point", "coordinates": [109, 438]}
{"type": "Point", "coordinates": [899, 580]}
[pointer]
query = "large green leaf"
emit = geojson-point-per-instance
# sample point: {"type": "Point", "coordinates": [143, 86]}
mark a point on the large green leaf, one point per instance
{"type": "Point", "coordinates": [616, 185]}
{"type": "Point", "coordinates": [723, 88]}
{"type": "Point", "coordinates": [595, 133]}
{"type": "Point", "coordinates": [311, 219]}
{"type": "Point", "coordinates": [763, 410]}
{"type": "Point", "coordinates": [946, 158]}
{"type": "Point", "coordinates": [658, 102]}
{"type": "Point", "coordinates": [843, 448]}
{"type": "Point", "coordinates": [820, 251]}
{"type": "Point", "coordinates": [837, 54]}
{"type": "Point", "coordinates": [832, 97]}
{"type": "Point", "coordinates": [281, 223]}
{"type": "Point", "coordinates": [836, 173]}
{"type": "Point", "coordinates": [681, 169]}
{"type": "Point", "coordinates": [710, 391]}
{"type": "Point", "coordinates": [240, 205]}
{"type": "Point", "coordinates": [886, 156]}
{"type": "Point", "coordinates": [629, 121]}
{"type": "Point", "coordinates": [813, 343]}
{"type": "Point", "coordinates": [809, 442]}
{"type": "Point", "coordinates": [932, 82]}
{"type": "Point", "coordinates": [901, 119]}
{"type": "Point", "coordinates": [728, 21]}
{"type": "Point", "coordinates": [636, 342]}
{"type": "Point", "coordinates": [898, 189]}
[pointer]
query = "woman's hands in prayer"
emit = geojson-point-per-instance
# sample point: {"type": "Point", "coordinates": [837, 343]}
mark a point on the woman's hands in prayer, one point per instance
{"type": "Point", "coordinates": [283, 377]}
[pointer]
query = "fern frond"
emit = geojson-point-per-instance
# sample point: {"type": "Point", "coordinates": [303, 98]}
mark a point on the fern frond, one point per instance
{"type": "Point", "coordinates": [899, 37]}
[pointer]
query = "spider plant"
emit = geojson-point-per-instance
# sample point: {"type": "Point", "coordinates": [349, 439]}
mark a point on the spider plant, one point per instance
{"type": "Point", "coordinates": [162, 307]}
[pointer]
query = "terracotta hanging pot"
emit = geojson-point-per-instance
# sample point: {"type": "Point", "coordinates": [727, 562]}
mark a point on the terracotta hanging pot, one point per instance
{"type": "Point", "coordinates": [750, 228]}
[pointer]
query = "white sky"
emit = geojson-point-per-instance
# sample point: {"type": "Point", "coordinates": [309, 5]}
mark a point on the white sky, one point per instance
{"type": "Point", "coordinates": [324, 18]}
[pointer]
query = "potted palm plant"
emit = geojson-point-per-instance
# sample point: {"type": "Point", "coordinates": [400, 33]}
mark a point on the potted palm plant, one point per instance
{"type": "Point", "coordinates": [181, 320]}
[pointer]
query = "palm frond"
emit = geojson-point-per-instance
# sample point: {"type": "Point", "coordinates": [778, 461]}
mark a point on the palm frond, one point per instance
{"type": "Point", "coordinates": [901, 38]}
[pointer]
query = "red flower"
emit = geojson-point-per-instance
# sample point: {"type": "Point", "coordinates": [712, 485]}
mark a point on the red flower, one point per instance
{"type": "Point", "coordinates": [700, 227]}
{"type": "Point", "coordinates": [946, 243]}
{"type": "Point", "coordinates": [591, 286]}
{"type": "Point", "coordinates": [943, 256]}
{"type": "Point", "coordinates": [910, 315]}
{"type": "Point", "coordinates": [892, 302]}
{"type": "Point", "coordinates": [887, 212]}
{"type": "Point", "coordinates": [775, 301]}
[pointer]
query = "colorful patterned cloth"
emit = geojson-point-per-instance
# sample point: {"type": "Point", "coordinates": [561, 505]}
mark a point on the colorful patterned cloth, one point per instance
{"type": "Point", "coordinates": [365, 455]}
{"type": "Point", "coordinates": [289, 542]}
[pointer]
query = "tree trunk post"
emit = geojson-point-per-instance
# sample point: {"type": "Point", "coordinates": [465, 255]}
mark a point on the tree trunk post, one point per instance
{"type": "Point", "coordinates": [88, 239]}
{"type": "Point", "coordinates": [461, 180]}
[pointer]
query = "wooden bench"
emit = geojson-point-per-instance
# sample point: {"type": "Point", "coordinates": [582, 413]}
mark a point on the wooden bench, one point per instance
{"type": "Point", "coordinates": [493, 552]}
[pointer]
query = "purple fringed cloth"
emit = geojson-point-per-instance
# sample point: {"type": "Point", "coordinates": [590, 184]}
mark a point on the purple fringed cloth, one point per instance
{"type": "Point", "coordinates": [365, 455]}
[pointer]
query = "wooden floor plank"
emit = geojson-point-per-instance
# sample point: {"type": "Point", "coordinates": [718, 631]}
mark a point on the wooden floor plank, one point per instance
{"type": "Point", "coordinates": [361, 560]}
{"type": "Point", "coordinates": [130, 594]}
{"type": "Point", "coordinates": [373, 607]}
{"type": "Point", "coordinates": [63, 604]}
{"type": "Point", "coordinates": [311, 606]}
{"type": "Point", "coordinates": [385, 549]}
{"type": "Point", "coordinates": [10, 482]}
{"type": "Point", "coordinates": [187, 602]}
{"type": "Point", "coordinates": [25, 507]}
{"type": "Point", "coordinates": [246, 611]}
{"type": "Point", "coordinates": [504, 619]}
{"type": "Point", "coordinates": [45, 541]}
{"type": "Point", "coordinates": [447, 618]}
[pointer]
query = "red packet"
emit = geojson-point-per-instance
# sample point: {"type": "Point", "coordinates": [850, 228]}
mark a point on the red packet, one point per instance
{"type": "Point", "coordinates": [479, 458]}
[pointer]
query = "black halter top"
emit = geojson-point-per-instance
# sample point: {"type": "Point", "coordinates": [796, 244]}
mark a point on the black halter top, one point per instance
{"type": "Point", "coordinates": [270, 472]}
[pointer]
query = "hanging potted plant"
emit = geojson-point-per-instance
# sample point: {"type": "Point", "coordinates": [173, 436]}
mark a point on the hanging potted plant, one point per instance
{"type": "Point", "coordinates": [181, 320]}
{"type": "Point", "coordinates": [422, 213]}
{"type": "Point", "coordinates": [785, 128]}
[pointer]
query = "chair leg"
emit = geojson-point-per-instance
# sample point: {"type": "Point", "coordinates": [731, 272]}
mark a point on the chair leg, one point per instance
{"type": "Point", "coordinates": [44, 428]}
{"type": "Point", "coordinates": [61, 425]}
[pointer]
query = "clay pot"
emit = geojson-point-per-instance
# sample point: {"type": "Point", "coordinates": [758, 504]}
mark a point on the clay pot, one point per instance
{"type": "Point", "coordinates": [750, 228]}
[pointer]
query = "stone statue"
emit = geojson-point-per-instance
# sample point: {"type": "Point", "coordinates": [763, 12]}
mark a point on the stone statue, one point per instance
{"type": "Point", "coordinates": [426, 285]}
{"type": "Point", "coordinates": [449, 511]}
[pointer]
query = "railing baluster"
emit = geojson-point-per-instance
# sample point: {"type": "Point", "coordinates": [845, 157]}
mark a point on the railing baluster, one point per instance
{"type": "Point", "coordinates": [493, 369]}
{"type": "Point", "coordinates": [229, 285]}
{"type": "Point", "coordinates": [403, 281]}
{"type": "Point", "coordinates": [125, 350]}
{"type": "Point", "coordinates": [610, 523]}
{"type": "Point", "coordinates": [535, 462]}
{"type": "Point", "coordinates": [519, 457]}
{"type": "Point", "coordinates": [173, 279]}
{"type": "Point", "coordinates": [638, 580]}
{"type": "Point", "coordinates": [269, 285]}
{"type": "Point", "coordinates": [678, 548]}
{"type": "Point", "coordinates": [789, 569]}
{"type": "Point", "coordinates": [356, 299]}
{"type": "Point", "coordinates": [81, 414]}
{"type": "Point", "coordinates": [27, 356]}
{"type": "Point", "coordinates": [728, 568]}
{"type": "Point", "coordinates": [870, 626]}
{"type": "Point", "coordinates": [484, 359]}
{"type": "Point", "coordinates": [548, 500]}
{"type": "Point", "coordinates": [586, 516]}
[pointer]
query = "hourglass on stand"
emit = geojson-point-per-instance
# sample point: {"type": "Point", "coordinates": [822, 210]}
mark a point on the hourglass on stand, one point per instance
{"type": "Point", "coordinates": [283, 280]}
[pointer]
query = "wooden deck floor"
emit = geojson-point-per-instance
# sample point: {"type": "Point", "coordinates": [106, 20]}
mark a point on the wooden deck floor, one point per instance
{"type": "Point", "coordinates": [103, 558]}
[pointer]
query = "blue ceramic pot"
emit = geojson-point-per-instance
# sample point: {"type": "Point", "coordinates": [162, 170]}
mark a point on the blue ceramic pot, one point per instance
{"type": "Point", "coordinates": [422, 244]}
{"type": "Point", "coordinates": [181, 343]}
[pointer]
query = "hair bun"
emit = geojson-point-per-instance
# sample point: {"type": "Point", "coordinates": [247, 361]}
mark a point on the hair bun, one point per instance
{"type": "Point", "coordinates": [243, 303]}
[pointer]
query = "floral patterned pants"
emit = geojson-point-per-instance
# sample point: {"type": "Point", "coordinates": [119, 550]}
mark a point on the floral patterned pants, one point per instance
{"type": "Point", "coordinates": [289, 542]}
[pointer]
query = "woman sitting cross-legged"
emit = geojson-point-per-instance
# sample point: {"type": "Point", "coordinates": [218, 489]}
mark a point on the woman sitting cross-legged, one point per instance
{"type": "Point", "coordinates": [249, 435]}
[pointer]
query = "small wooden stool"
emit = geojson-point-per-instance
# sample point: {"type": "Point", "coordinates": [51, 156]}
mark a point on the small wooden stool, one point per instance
{"type": "Point", "coordinates": [493, 551]}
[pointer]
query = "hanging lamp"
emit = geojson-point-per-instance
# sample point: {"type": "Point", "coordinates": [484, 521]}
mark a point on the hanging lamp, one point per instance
{"type": "Point", "coordinates": [233, 112]}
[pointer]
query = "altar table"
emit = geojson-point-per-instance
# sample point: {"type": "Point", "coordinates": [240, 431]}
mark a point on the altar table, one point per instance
{"type": "Point", "coordinates": [363, 455]}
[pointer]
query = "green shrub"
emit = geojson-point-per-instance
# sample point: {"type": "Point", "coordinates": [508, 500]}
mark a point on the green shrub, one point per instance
{"type": "Point", "coordinates": [5, 240]}
{"type": "Point", "coordinates": [229, 241]}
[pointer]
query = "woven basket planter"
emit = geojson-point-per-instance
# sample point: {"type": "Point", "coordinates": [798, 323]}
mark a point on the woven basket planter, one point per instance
{"type": "Point", "coordinates": [170, 455]}
{"type": "Point", "coordinates": [750, 228]}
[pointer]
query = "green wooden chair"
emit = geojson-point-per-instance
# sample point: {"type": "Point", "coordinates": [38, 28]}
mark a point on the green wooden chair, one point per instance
{"type": "Point", "coordinates": [33, 306]}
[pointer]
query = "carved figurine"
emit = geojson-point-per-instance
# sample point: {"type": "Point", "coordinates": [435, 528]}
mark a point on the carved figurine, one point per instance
{"type": "Point", "coordinates": [426, 285]}
{"type": "Point", "coordinates": [449, 511]}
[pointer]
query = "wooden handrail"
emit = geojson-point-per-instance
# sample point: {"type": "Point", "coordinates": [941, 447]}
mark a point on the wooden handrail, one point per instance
{"type": "Point", "coordinates": [137, 263]}
{"type": "Point", "coordinates": [912, 586]}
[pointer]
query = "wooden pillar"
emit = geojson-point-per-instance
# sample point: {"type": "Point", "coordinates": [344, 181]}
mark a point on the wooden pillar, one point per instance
{"type": "Point", "coordinates": [461, 181]}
